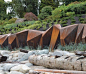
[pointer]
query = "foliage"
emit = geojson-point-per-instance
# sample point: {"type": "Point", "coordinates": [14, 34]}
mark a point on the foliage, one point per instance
{"type": "Point", "coordinates": [69, 14]}
{"type": "Point", "coordinates": [63, 22]}
{"type": "Point", "coordinates": [59, 12]}
{"type": "Point", "coordinates": [30, 16]}
{"type": "Point", "coordinates": [73, 47]}
{"type": "Point", "coordinates": [66, 2]}
{"type": "Point", "coordinates": [64, 25]}
{"type": "Point", "coordinates": [53, 3]}
{"type": "Point", "coordinates": [81, 19]}
{"type": "Point", "coordinates": [12, 20]}
{"type": "Point", "coordinates": [23, 6]}
{"type": "Point", "coordinates": [73, 21]}
{"type": "Point", "coordinates": [45, 12]}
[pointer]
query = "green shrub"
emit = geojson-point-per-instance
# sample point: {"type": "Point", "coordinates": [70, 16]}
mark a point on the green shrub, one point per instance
{"type": "Point", "coordinates": [69, 14]}
{"type": "Point", "coordinates": [63, 22]}
{"type": "Point", "coordinates": [12, 20]}
{"type": "Point", "coordinates": [44, 27]}
{"type": "Point", "coordinates": [64, 25]}
{"type": "Point", "coordinates": [47, 9]}
{"type": "Point", "coordinates": [44, 23]}
{"type": "Point", "coordinates": [73, 47]}
{"type": "Point", "coordinates": [59, 12]}
{"type": "Point", "coordinates": [79, 8]}
{"type": "Point", "coordinates": [45, 12]}
{"type": "Point", "coordinates": [73, 21]}
{"type": "Point", "coordinates": [49, 19]}
{"type": "Point", "coordinates": [37, 22]}
{"type": "Point", "coordinates": [81, 19]}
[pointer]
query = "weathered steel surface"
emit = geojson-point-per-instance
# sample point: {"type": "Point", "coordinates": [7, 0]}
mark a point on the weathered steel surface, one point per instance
{"type": "Point", "coordinates": [84, 34]}
{"type": "Point", "coordinates": [46, 37]}
{"type": "Point", "coordinates": [79, 33]}
{"type": "Point", "coordinates": [68, 34]}
{"type": "Point", "coordinates": [55, 39]}
{"type": "Point", "coordinates": [21, 38]}
{"type": "Point", "coordinates": [12, 41]}
{"type": "Point", "coordinates": [4, 40]}
{"type": "Point", "coordinates": [33, 38]}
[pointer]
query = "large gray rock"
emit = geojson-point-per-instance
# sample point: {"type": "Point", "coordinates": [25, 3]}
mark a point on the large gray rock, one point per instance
{"type": "Point", "coordinates": [28, 64]}
{"type": "Point", "coordinates": [5, 53]}
{"type": "Point", "coordinates": [8, 66]}
{"type": "Point", "coordinates": [21, 54]}
{"type": "Point", "coordinates": [21, 68]}
{"type": "Point", "coordinates": [2, 72]}
{"type": "Point", "coordinates": [15, 72]}
{"type": "Point", "coordinates": [44, 51]}
{"type": "Point", "coordinates": [19, 20]}
{"type": "Point", "coordinates": [26, 56]}
{"type": "Point", "coordinates": [62, 53]}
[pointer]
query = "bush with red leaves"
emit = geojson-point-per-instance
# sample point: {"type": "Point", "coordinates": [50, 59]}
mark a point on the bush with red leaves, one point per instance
{"type": "Point", "coordinates": [30, 16]}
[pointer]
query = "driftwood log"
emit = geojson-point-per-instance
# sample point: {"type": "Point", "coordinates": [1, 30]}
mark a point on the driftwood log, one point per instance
{"type": "Point", "coordinates": [51, 71]}
{"type": "Point", "coordinates": [64, 62]}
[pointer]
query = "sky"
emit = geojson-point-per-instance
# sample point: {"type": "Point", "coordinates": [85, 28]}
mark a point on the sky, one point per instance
{"type": "Point", "coordinates": [7, 0]}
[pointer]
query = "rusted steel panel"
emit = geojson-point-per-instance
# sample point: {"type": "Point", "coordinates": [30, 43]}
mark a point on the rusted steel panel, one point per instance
{"type": "Point", "coordinates": [55, 36]}
{"type": "Point", "coordinates": [12, 41]}
{"type": "Point", "coordinates": [33, 38]}
{"type": "Point", "coordinates": [68, 34]}
{"type": "Point", "coordinates": [61, 71]}
{"type": "Point", "coordinates": [21, 38]}
{"type": "Point", "coordinates": [4, 40]}
{"type": "Point", "coordinates": [46, 37]}
{"type": "Point", "coordinates": [79, 33]}
{"type": "Point", "coordinates": [84, 34]}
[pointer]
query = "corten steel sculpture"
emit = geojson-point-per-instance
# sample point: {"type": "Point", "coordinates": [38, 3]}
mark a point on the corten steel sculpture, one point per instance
{"type": "Point", "coordinates": [33, 38]}
{"type": "Point", "coordinates": [53, 36]}
{"type": "Point", "coordinates": [12, 41]}
{"type": "Point", "coordinates": [84, 34]}
{"type": "Point", "coordinates": [21, 38]}
{"type": "Point", "coordinates": [79, 33]}
{"type": "Point", "coordinates": [68, 34]}
{"type": "Point", "coordinates": [46, 37]}
{"type": "Point", "coordinates": [4, 40]}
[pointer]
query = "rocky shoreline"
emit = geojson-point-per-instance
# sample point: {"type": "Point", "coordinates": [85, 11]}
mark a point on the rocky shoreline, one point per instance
{"type": "Point", "coordinates": [23, 61]}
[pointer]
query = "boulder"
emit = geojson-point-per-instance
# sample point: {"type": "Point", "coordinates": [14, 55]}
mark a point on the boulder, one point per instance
{"type": "Point", "coordinates": [20, 68]}
{"type": "Point", "coordinates": [19, 20]}
{"type": "Point", "coordinates": [8, 66]}
{"type": "Point", "coordinates": [44, 51]}
{"type": "Point", "coordinates": [26, 56]}
{"type": "Point", "coordinates": [15, 72]}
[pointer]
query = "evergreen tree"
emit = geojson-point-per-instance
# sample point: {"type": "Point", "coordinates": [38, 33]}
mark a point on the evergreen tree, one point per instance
{"type": "Point", "coordinates": [3, 7]}
{"type": "Point", "coordinates": [53, 3]}
{"type": "Point", "coordinates": [23, 6]}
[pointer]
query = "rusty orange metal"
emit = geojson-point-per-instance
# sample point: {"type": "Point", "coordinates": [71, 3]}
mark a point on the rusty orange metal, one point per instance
{"type": "Point", "coordinates": [21, 38]}
{"type": "Point", "coordinates": [84, 34]}
{"type": "Point", "coordinates": [33, 38]}
{"type": "Point", "coordinates": [68, 34]}
{"type": "Point", "coordinates": [4, 40]}
{"type": "Point", "coordinates": [55, 37]}
{"type": "Point", "coordinates": [12, 41]}
{"type": "Point", "coordinates": [46, 37]}
{"type": "Point", "coordinates": [78, 38]}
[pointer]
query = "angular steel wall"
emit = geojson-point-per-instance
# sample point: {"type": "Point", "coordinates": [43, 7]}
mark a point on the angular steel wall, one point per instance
{"type": "Point", "coordinates": [51, 37]}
